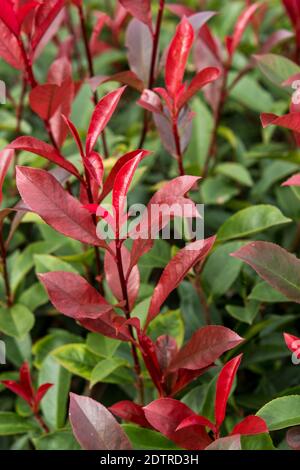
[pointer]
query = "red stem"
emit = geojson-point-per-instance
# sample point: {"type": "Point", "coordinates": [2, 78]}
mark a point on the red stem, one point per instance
{"type": "Point", "coordinates": [91, 70]}
{"type": "Point", "coordinates": [41, 422]}
{"type": "Point", "coordinates": [178, 148]}
{"type": "Point", "coordinates": [152, 66]}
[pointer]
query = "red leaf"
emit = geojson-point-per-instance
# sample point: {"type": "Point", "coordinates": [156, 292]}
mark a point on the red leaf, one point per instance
{"type": "Point", "coordinates": [175, 272]}
{"type": "Point", "coordinates": [276, 266]}
{"type": "Point", "coordinates": [41, 392]}
{"type": "Point", "coordinates": [73, 296]}
{"type": "Point", "coordinates": [241, 24]}
{"type": "Point", "coordinates": [101, 116]}
{"type": "Point", "coordinates": [166, 414]}
{"type": "Point", "coordinates": [288, 121]}
{"type": "Point", "coordinates": [75, 135]}
{"type": "Point", "coordinates": [45, 100]}
{"type": "Point", "coordinates": [150, 101]}
{"type": "Point", "coordinates": [196, 420]}
{"type": "Point", "coordinates": [293, 181]}
{"type": "Point", "coordinates": [94, 426]}
{"type": "Point", "coordinates": [24, 10]}
{"type": "Point", "coordinates": [94, 164]}
{"type": "Point", "coordinates": [140, 9]}
{"type": "Point", "coordinates": [250, 425]}
{"type": "Point", "coordinates": [109, 183]}
{"type": "Point", "coordinates": [148, 350]}
{"type": "Point", "coordinates": [25, 379]}
{"type": "Point", "coordinates": [36, 146]}
{"type": "Point", "coordinates": [42, 193]}
{"type": "Point", "coordinates": [9, 17]}
{"type": "Point", "coordinates": [113, 279]}
{"type": "Point", "coordinates": [17, 389]}
{"type": "Point", "coordinates": [139, 44]}
{"type": "Point", "coordinates": [206, 76]}
{"type": "Point", "coordinates": [126, 78]}
{"type": "Point", "coordinates": [129, 411]}
{"type": "Point", "coordinates": [223, 388]}
{"type": "Point", "coordinates": [166, 349]}
{"type": "Point", "coordinates": [10, 49]}
{"type": "Point", "coordinates": [6, 158]}
{"type": "Point", "coordinates": [178, 55]}
{"type": "Point", "coordinates": [205, 346]}
{"type": "Point", "coordinates": [45, 21]}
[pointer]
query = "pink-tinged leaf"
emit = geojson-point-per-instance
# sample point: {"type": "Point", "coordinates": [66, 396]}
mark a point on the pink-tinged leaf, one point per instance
{"type": "Point", "coordinates": [129, 411]}
{"type": "Point", "coordinates": [293, 9]}
{"type": "Point", "coordinates": [17, 389]}
{"type": "Point", "coordinates": [73, 296]}
{"type": "Point", "coordinates": [293, 181]}
{"type": "Point", "coordinates": [240, 27]}
{"type": "Point", "coordinates": [125, 78]}
{"type": "Point", "coordinates": [198, 20]}
{"type": "Point", "coordinates": [223, 388]}
{"type": "Point", "coordinates": [166, 414]}
{"type": "Point", "coordinates": [121, 186]}
{"type": "Point", "coordinates": [75, 135]}
{"type": "Point", "coordinates": [94, 426]}
{"type": "Point", "coordinates": [38, 147]}
{"type": "Point", "coordinates": [45, 100]}
{"type": "Point", "coordinates": [166, 349]}
{"type": "Point", "coordinates": [101, 116]}
{"type": "Point", "coordinates": [6, 158]}
{"type": "Point", "coordinates": [171, 194]}
{"type": "Point", "coordinates": [179, 10]}
{"type": "Point", "coordinates": [102, 19]}
{"type": "Point", "coordinates": [9, 48]}
{"type": "Point", "coordinates": [139, 9]}
{"type": "Point", "coordinates": [109, 182]}
{"type": "Point", "coordinates": [251, 425]}
{"type": "Point", "coordinates": [292, 342]}
{"type": "Point", "coordinates": [148, 350]}
{"type": "Point", "coordinates": [42, 193]}
{"type": "Point", "coordinates": [184, 377]}
{"type": "Point", "coordinates": [196, 420]}
{"type": "Point", "coordinates": [276, 266]}
{"type": "Point", "coordinates": [165, 130]}
{"type": "Point", "coordinates": [41, 392]}
{"type": "Point", "coordinates": [150, 101]}
{"type": "Point", "coordinates": [113, 279]}
{"type": "Point", "coordinates": [226, 443]}
{"type": "Point", "coordinates": [293, 438]}
{"type": "Point", "coordinates": [175, 272]}
{"type": "Point", "coordinates": [9, 17]}
{"type": "Point", "coordinates": [178, 55]}
{"type": "Point", "coordinates": [45, 21]}
{"type": "Point", "coordinates": [275, 39]}
{"type": "Point", "coordinates": [24, 11]}
{"type": "Point", "coordinates": [108, 324]}
{"type": "Point", "coordinates": [94, 165]}
{"type": "Point", "coordinates": [288, 121]}
{"type": "Point", "coordinates": [139, 43]}
{"type": "Point", "coordinates": [206, 76]}
{"type": "Point", "coordinates": [205, 346]}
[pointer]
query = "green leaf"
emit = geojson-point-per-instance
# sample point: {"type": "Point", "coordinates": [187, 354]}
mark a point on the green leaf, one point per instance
{"type": "Point", "coordinates": [101, 345]}
{"type": "Point", "coordinates": [236, 172]}
{"type": "Point", "coordinates": [245, 314]}
{"type": "Point", "coordinates": [221, 270]}
{"type": "Point", "coordinates": [46, 263]}
{"type": "Point", "coordinates": [281, 413]}
{"type": "Point", "coordinates": [257, 442]}
{"type": "Point", "coordinates": [34, 297]}
{"type": "Point", "coordinates": [60, 440]}
{"type": "Point", "coordinates": [251, 220]}
{"type": "Point", "coordinates": [16, 321]}
{"type": "Point", "coordinates": [77, 359]}
{"type": "Point", "coordinates": [263, 292]}
{"type": "Point", "coordinates": [105, 369]}
{"type": "Point", "coordinates": [146, 439]}
{"type": "Point", "coordinates": [11, 423]}
{"type": "Point", "coordinates": [170, 323]}
{"type": "Point", "coordinates": [54, 404]}
{"type": "Point", "coordinates": [43, 347]}
{"type": "Point", "coordinates": [249, 93]}
{"type": "Point", "coordinates": [276, 68]}
{"type": "Point", "coordinates": [217, 190]}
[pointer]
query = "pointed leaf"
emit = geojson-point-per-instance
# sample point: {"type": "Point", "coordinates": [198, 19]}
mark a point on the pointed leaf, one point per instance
{"type": "Point", "coordinates": [140, 9]}
{"type": "Point", "coordinates": [129, 411]}
{"type": "Point", "coordinates": [223, 388]}
{"type": "Point", "coordinates": [204, 77]}
{"type": "Point", "coordinates": [241, 24]}
{"type": "Point", "coordinates": [6, 158]}
{"type": "Point", "coordinates": [45, 100]}
{"type": "Point", "coordinates": [251, 425]}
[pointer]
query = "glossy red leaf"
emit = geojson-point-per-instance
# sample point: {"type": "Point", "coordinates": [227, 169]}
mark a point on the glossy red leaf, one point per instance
{"type": "Point", "coordinates": [6, 158]}
{"type": "Point", "coordinates": [293, 9]}
{"type": "Point", "coordinates": [166, 414]}
{"type": "Point", "coordinates": [196, 420]}
{"type": "Point", "coordinates": [40, 393]}
{"type": "Point", "coordinates": [243, 21]}
{"type": "Point", "coordinates": [129, 411]}
{"type": "Point", "coordinates": [73, 296]}
{"type": "Point", "coordinates": [204, 77]}
{"type": "Point", "coordinates": [293, 181]}
{"type": "Point", "coordinates": [223, 388]}
{"type": "Point", "coordinates": [175, 271]}
{"type": "Point", "coordinates": [9, 17]}
{"type": "Point", "coordinates": [24, 10]}
{"type": "Point", "coordinates": [288, 121]}
{"type": "Point", "coordinates": [178, 55]}
{"type": "Point", "coordinates": [38, 147]}
{"type": "Point", "coordinates": [140, 9]}
{"type": "Point", "coordinates": [45, 21]}
{"type": "Point", "coordinates": [292, 342]}
{"type": "Point", "coordinates": [101, 116]}
{"type": "Point", "coordinates": [10, 49]}
{"type": "Point", "coordinates": [205, 346]}
{"type": "Point", "coordinates": [94, 426]}
{"type": "Point", "coordinates": [275, 265]}
{"type": "Point", "coordinates": [150, 101]}
{"type": "Point", "coordinates": [17, 389]}
{"type": "Point", "coordinates": [149, 353]}
{"type": "Point", "coordinates": [25, 378]}
{"type": "Point", "coordinates": [45, 100]}
{"type": "Point", "coordinates": [94, 164]}
{"type": "Point", "coordinates": [166, 349]}
{"type": "Point", "coordinates": [43, 194]}
{"type": "Point", "coordinates": [109, 182]}
{"type": "Point", "coordinates": [251, 425]}
{"type": "Point", "coordinates": [75, 135]}
{"type": "Point", "coordinates": [113, 279]}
